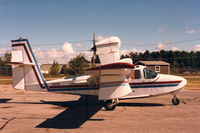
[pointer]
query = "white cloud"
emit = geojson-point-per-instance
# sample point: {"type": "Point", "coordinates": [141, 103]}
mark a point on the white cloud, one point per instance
{"type": "Point", "coordinates": [62, 56]}
{"type": "Point", "coordinates": [192, 31]}
{"type": "Point", "coordinates": [125, 51]}
{"type": "Point", "coordinates": [162, 45]}
{"type": "Point", "coordinates": [161, 29]}
{"type": "Point", "coordinates": [2, 51]}
{"type": "Point", "coordinates": [196, 47]}
{"type": "Point", "coordinates": [100, 37]}
{"type": "Point", "coordinates": [79, 45]}
{"type": "Point", "coordinates": [137, 51]}
{"type": "Point", "coordinates": [175, 49]}
{"type": "Point", "coordinates": [67, 47]}
{"type": "Point", "coordinates": [48, 56]}
{"type": "Point", "coordinates": [87, 54]}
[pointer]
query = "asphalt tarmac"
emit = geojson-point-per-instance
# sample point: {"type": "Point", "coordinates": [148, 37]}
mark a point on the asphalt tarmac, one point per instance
{"type": "Point", "coordinates": [43, 112]}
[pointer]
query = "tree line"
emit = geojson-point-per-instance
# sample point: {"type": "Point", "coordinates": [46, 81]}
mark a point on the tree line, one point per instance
{"type": "Point", "coordinates": [76, 66]}
{"type": "Point", "coordinates": [5, 70]}
{"type": "Point", "coordinates": [180, 61]}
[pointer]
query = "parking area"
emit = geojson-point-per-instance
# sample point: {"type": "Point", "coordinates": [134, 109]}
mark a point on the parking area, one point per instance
{"type": "Point", "coordinates": [49, 112]}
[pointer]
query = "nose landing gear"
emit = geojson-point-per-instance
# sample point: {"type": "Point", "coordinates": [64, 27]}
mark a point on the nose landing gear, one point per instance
{"type": "Point", "coordinates": [110, 105]}
{"type": "Point", "coordinates": [175, 100]}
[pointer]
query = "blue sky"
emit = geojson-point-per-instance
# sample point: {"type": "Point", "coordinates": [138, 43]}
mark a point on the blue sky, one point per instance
{"type": "Point", "coordinates": [133, 21]}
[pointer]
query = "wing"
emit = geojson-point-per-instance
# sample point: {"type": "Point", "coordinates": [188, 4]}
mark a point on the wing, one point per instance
{"type": "Point", "coordinates": [113, 87]}
{"type": "Point", "coordinates": [113, 79]}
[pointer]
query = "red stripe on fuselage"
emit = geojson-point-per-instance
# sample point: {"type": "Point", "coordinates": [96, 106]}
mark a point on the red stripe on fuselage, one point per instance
{"type": "Point", "coordinates": [115, 82]}
{"type": "Point", "coordinates": [156, 83]}
{"type": "Point", "coordinates": [85, 85]}
{"type": "Point", "coordinates": [69, 86]}
{"type": "Point", "coordinates": [117, 65]}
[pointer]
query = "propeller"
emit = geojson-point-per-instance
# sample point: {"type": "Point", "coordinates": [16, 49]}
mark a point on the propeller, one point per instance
{"type": "Point", "coordinates": [94, 49]}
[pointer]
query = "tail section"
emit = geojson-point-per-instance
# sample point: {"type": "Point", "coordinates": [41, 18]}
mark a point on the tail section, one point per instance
{"type": "Point", "coordinates": [25, 71]}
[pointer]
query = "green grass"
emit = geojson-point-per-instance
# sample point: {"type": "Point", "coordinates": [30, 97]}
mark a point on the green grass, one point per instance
{"type": "Point", "coordinates": [193, 83]}
{"type": "Point", "coordinates": [5, 82]}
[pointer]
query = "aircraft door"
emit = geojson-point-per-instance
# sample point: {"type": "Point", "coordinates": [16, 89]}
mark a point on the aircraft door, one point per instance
{"type": "Point", "coordinates": [143, 77]}
{"type": "Point", "coordinates": [149, 77]}
{"type": "Point", "coordinates": [138, 82]}
{"type": "Point", "coordinates": [137, 76]}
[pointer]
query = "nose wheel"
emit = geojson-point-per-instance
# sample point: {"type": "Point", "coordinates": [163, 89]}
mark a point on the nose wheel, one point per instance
{"type": "Point", "coordinates": [110, 105]}
{"type": "Point", "coordinates": [175, 100]}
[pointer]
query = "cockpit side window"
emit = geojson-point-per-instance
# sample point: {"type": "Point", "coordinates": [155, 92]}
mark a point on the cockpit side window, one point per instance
{"type": "Point", "coordinates": [149, 74]}
{"type": "Point", "coordinates": [137, 74]}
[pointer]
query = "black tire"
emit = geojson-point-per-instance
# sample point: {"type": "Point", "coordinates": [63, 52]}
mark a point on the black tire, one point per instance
{"type": "Point", "coordinates": [175, 101]}
{"type": "Point", "coordinates": [108, 105]}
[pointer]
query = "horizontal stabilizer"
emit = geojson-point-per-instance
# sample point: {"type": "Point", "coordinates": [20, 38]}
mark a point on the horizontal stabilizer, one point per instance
{"type": "Point", "coordinates": [20, 63]}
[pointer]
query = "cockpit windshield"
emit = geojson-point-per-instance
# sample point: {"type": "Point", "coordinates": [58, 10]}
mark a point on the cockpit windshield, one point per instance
{"type": "Point", "coordinates": [149, 74]}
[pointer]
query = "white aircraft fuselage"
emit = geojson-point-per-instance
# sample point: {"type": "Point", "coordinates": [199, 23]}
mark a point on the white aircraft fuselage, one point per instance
{"type": "Point", "coordinates": [142, 86]}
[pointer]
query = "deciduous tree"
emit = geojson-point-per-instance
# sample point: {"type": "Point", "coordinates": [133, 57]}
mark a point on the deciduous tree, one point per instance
{"type": "Point", "coordinates": [78, 65]}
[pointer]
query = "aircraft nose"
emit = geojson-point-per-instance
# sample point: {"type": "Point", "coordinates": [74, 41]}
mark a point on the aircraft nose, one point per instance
{"type": "Point", "coordinates": [183, 82]}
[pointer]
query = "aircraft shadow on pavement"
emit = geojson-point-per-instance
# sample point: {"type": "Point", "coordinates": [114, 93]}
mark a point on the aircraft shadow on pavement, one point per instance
{"type": "Point", "coordinates": [140, 104]}
{"type": "Point", "coordinates": [4, 100]}
{"type": "Point", "coordinates": [77, 113]}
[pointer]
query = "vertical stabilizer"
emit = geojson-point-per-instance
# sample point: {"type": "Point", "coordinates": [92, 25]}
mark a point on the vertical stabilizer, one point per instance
{"type": "Point", "coordinates": [25, 71]}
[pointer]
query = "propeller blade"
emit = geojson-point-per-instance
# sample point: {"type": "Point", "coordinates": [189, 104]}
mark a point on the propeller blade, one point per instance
{"type": "Point", "coordinates": [94, 49]}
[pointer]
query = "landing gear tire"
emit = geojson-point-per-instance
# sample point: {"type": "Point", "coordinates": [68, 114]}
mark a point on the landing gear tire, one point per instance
{"type": "Point", "coordinates": [175, 101]}
{"type": "Point", "coordinates": [109, 105]}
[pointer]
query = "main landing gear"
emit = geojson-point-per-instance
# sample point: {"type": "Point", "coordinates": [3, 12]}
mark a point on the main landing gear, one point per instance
{"type": "Point", "coordinates": [110, 105]}
{"type": "Point", "coordinates": [175, 100]}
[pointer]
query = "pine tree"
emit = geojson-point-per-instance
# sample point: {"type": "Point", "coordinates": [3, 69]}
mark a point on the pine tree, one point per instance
{"type": "Point", "coordinates": [54, 70]}
{"type": "Point", "coordinates": [64, 69]}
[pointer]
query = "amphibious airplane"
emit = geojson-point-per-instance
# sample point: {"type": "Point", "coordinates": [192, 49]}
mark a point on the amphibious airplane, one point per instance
{"type": "Point", "coordinates": [111, 81]}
